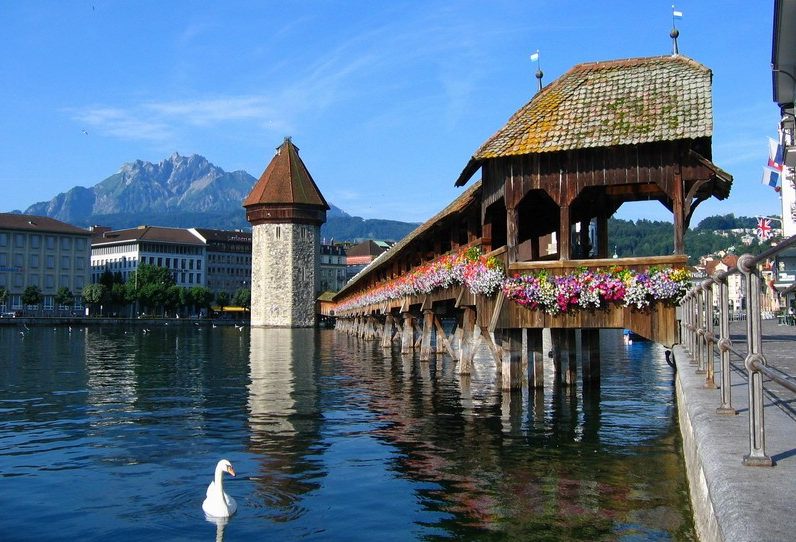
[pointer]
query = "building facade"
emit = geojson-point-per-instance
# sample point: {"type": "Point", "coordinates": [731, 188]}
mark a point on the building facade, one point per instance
{"type": "Point", "coordinates": [229, 259]}
{"type": "Point", "coordinates": [332, 268]}
{"type": "Point", "coordinates": [286, 211]}
{"type": "Point", "coordinates": [42, 252]}
{"type": "Point", "coordinates": [176, 249]}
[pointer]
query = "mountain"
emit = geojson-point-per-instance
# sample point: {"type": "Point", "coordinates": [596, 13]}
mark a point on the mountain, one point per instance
{"type": "Point", "coordinates": [187, 191]}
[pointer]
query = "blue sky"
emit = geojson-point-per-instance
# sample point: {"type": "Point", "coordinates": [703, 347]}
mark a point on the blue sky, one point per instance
{"type": "Point", "coordinates": [386, 100]}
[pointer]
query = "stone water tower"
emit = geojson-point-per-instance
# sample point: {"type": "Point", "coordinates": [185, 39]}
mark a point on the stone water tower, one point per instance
{"type": "Point", "coordinates": [286, 210]}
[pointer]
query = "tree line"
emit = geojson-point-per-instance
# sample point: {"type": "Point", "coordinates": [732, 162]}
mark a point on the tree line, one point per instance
{"type": "Point", "coordinates": [149, 290]}
{"type": "Point", "coordinates": [652, 238]}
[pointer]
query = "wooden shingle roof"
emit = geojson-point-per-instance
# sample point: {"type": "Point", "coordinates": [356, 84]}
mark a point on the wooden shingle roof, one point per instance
{"type": "Point", "coordinates": [603, 104]}
{"type": "Point", "coordinates": [286, 181]}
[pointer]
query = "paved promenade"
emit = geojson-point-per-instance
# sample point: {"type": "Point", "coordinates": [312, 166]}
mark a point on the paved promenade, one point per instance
{"type": "Point", "coordinates": [733, 502]}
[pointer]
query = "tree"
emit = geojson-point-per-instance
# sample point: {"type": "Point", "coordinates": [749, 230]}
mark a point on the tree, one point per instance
{"type": "Point", "coordinates": [31, 296]}
{"type": "Point", "coordinates": [222, 298]}
{"type": "Point", "coordinates": [243, 298]}
{"type": "Point", "coordinates": [94, 294]}
{"type": "Point", "coordinates": [64, 296]}
{"type": "Point", "coordinates": [149, 285]}
{"type": "Point", "coordinates": [3, 295]}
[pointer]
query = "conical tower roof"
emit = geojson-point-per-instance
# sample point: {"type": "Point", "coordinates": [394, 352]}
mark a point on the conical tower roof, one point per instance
{"type": "Point", "coordinates": [286, 191]}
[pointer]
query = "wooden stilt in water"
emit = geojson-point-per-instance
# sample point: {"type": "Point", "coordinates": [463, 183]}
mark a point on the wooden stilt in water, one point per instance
{"type": "Point", "coordinates": [535, 358]}
{"type": "Point", "coordinates": [571, 371]}
{"type": "Point", "coordinates": [511, 373]}
{"type": "Point", "coordinates": [590, 362]}
{"type": "Point", "coordinates": [387, 330]}
{"type": "Point", "coordinates": [442, 339]}
{"type": "Point", "coordinates": [425, 341]}
{"type": "Point", "coordinates": [467, 346]}
{"type": "Point", "coordinates": [407, 334]}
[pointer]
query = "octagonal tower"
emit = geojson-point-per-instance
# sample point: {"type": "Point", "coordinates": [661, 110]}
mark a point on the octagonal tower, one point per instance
{"type": "Point", "coordinates": [286, 210]}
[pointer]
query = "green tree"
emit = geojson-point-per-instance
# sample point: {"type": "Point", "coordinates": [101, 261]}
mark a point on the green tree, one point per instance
{"type": "Point", "coordinates": [243, 298]}
{"type": "Point", "coordinates": [173, 298]}
{"type": "Point", "coordinates": [3, 295]}
{"type": "Point", "coordinates": [201, 298]}
{"type": "Point", "coordinates": [31, 296]}
{"type": "Point", "coordinates": [64, 297]}
{"type": "Point", "coordinates": [94, 294]}
{"type": "Point", "coordinates": [149, 285]}
{"type": "Point", "coordinates": [222, 299]}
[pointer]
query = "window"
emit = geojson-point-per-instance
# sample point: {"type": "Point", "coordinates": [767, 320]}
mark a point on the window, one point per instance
{"type": "Point", "coordinates": [19, 260]}
{"type": "Point", "coordinates": [35, 241]}
{"type": "Point", "coordinates": [50, 240]}
{"type": "Point", "coordinates": [66, 243]}
{"type": "Point", "coordinates": [3, 259]}
{"type": "Point", "coordinates": [198, 278]}
{"type": "Point", "coordinates": [66, 263]}
{"type": "Point", "coordinates": [33, 261]}
{"type": "Point", "coordinates": [190, 278]}
{"type": "Point", "coordinates": [80, 244]}
{"type": "Point", "coordinates": [18, 282]}
{"type": "Point", "coordinates": [3, 239]}
{"type": "Point", "coordinates": [48, 302]}
{"type": "Point", "coordinates": [64, 281]}
{"type": "Point", "coordinates": [278, 232]}
{"type": "Point", "coordinates": [49, 281]}
{"type": "Point", "coordinates": [50, 261]}
{"type": "Point", "coordinates": [19, 240]}
{"type": "Point", "coordinates": [79, 283]}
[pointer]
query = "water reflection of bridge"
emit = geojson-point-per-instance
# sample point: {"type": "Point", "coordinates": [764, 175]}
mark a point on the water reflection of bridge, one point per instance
{"type": "Point", "coordinates": [602, 135]}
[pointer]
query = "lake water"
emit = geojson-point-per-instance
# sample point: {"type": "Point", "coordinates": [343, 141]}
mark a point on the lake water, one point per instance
{"type": "Point", "coordinates": [110, 433]}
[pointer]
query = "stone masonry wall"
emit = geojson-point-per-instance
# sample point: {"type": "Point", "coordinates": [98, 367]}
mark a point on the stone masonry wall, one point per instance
{"type": "Point", "coordinates": [285, 264]}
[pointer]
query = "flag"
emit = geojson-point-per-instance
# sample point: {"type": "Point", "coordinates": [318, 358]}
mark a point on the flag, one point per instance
{"type": "Point", "coordinates": [770, 176]}
{"type": "Point", "coordinates": [535, 56]}
{"type": "Point", "coordinates": [763, 228]}
{"type": "Point", "coordinates": [677, 14]}
{"type": "Point", "coordinates": [775, 154]}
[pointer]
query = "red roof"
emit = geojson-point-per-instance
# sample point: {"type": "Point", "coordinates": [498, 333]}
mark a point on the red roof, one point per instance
{"type": "Point", "coordinates": [286, 181]}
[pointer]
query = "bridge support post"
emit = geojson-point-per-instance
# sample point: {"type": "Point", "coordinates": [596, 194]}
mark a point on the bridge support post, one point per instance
{"type": "Point", "coordinates": [428, 327]}
{"type": "Point", "coordinates": [370, 328]}
{"type": "Point", "coordinates": [467, 346]}
{"type": "Point", "coordinates": [443, 344]}
{"type": "Point", "coordinates": [511, 373]}
{"type": "Point", "coordinates": [387, 330]}
{"type": "Point", "coordinates": [407, 334]}
{"type": "Point", "coordinates": [590, 361]}
{"type": "Point", "coordinates": [564, 355]}
{"type": "Point", "coordinates": [533, 350]}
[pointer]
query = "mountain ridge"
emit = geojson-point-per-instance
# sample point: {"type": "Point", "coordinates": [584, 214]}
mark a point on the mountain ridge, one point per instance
{"type": "Point", "coordinates": [187, 191]}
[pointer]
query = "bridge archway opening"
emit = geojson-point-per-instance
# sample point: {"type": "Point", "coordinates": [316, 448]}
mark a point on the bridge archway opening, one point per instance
{"type": "Point", "coordinates": [494, 230]}
{"type": "Point", "coordinates": [537, 220]}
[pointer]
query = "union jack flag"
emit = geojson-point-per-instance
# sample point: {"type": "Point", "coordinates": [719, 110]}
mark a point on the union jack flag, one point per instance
{"type": "Point", "coordinates": [764, 228]}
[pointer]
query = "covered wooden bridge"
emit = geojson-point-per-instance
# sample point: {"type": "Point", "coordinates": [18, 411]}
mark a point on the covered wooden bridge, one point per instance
{"type": "Point", "coordinates": [526, 247]}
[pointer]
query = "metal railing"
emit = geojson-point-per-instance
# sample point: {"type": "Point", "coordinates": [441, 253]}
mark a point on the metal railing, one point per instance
{"type": "Point", "coordinates": [700, 339]}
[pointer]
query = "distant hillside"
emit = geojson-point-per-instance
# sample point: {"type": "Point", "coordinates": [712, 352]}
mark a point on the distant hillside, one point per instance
{"type": "Point", "coordinates": [651, 238]}
{"type": "Point", "coordinates": [184, 192]}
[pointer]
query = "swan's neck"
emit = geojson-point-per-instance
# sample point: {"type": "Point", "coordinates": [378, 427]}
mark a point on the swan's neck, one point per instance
{"type": "Point", "coordinates": [219, 480]}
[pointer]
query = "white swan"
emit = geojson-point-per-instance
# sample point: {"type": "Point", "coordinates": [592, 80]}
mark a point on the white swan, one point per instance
{"type": "Point", "coordinates": [217, 503]}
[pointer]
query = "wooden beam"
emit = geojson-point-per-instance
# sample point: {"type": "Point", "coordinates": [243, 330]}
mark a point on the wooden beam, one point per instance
{"type": "Point", "coordinates": [442, 337]}
{"type": "Point", "coordinates": [564, 248]}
